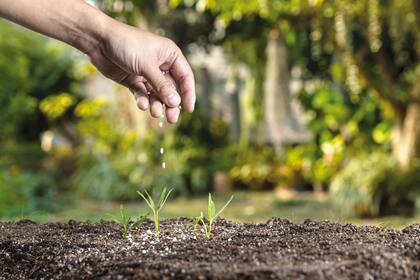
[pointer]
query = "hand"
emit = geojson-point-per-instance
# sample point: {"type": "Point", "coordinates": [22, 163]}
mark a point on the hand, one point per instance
{"type": "Point", "coordinates": [152, 67]}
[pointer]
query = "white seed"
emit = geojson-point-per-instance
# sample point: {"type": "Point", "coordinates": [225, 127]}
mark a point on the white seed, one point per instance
{"type": "Point", "coordinates": [180, 107]}
{"type": "Point", "coordinates": [160, 124]}
{"type": "Point", "coordinates": [162, 150]}
{"type": "Point", "coordinates": [163, 165]}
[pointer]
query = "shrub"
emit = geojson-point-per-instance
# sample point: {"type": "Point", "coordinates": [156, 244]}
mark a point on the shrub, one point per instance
{"type": "Point", "coordinates": [23, 193]}
{"type": "Point", "coordinates": [373, 186]}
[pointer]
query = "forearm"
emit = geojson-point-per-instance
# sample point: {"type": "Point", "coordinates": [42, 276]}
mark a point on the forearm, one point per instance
{"type": "Point", "coordinates": [72, 21]}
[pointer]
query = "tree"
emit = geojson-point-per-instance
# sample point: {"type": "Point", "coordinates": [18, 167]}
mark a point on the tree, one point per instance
{"type": "Point", "coordinates": [242, 19]}
{"type": "Point", "coordinates": [379, 44]}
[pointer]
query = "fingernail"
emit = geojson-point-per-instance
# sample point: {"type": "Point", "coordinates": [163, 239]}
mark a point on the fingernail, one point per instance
{"type": "Point", "coordinates": [143, 106]}
{"type": "Point", "coordinates": [173, 100]}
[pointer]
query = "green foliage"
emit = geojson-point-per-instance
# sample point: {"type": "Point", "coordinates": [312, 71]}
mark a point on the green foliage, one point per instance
{"type": "Point", "coordinates": [257, 168]}
{"type": "Point", "coordinates": [340, 126]}
{"type": "Point", "coordinates": [373, 185]}
{"type": "Point", "coordinates": [22, 193]}
{"type": "Point", "coordinates": [156, 207]}
{"type": "Point", "coordinates": [55, 106]}
{"type": "Point", "coordinates": [129, 223]}
{"type": "Point", "coordinates": [98, 178]}
{"type": "Point", "coordinates": [207, 222]}
{"type": "Point", "coordinates": [33, 71]}
{"type": "Point", "coordinates": [31, 68]}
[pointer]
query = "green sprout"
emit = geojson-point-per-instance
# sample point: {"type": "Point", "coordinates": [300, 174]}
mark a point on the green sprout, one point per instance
{"type": "Point", "coordinates": [128, 222]}
{"type": "Point", "coordinates": [211, 216]}
{"type": "Point", "coordinates": [156, 207]}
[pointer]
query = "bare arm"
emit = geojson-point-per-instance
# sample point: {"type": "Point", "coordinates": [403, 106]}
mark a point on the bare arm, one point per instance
{"type": "Point", "coordinates": [152, 67]}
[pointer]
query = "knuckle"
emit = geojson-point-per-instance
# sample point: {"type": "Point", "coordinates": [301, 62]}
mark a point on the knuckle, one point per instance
{"type": "Point", "coordinates": [162, 85]}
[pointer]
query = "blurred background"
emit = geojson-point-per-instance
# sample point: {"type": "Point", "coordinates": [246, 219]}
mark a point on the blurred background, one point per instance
{"type": "Point", "coordinates": [306, 109]}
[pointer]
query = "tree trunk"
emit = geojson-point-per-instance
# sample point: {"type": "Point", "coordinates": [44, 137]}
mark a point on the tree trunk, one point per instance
{"type": "Point", "coordinates": [233, 89]}
{"type": "Point", "coordinates": [406, 137]}
{"type": "Point", "coordinates": [279, 117]}
{"type": "Point", "coordinates": [205, 94]}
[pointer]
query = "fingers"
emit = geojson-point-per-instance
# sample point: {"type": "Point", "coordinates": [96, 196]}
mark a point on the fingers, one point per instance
{"type": "Point", "coordinates": [156, 107]}
{"type": "Point", "coordinates": [184, 76]}
{"type": "Point", "coordinates": [172, 114]}
{"type": "Point", "coordinates": [137, 86]}
{"type": "Point", "coordinates": [147, 98]}
{"type": "Point", "coordinates": [142, 100]}
{"type": "Point", "coordinates": [164, 89]}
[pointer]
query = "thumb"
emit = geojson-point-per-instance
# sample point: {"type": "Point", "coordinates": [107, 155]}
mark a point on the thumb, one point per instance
{"type": "Point", "coordinates": [163, 86]}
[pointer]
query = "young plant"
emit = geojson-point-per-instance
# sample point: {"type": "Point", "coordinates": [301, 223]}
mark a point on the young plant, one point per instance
{"type": "Point", "coordinates": [156, 207]}
{"type": "Point", "coordinates": [129, 223]}
{"type": "Point", "coordinates": [211, 216]}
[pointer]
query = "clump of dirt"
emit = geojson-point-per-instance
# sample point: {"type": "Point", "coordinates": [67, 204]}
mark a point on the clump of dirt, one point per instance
{"type": "Point", "coordinates": [277, 249]}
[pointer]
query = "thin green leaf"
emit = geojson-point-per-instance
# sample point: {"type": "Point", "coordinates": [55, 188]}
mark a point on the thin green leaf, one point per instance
{"type": "Point", "coordinates": [145, 199]}
{"type": "Point", "coordinates": [211, 211]}
{"type": "Point", "coordinates": [223, 208]}
{"type": "Point", "coordinates": [164, 199]}
{"type": "Point", "coordinates": [196, 221]}
{"type": "Point", "coordinates": [151, 201]}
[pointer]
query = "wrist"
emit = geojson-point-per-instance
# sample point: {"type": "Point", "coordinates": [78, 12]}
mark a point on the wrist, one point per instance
{"type": "Point", "coordinates": [92, 31]}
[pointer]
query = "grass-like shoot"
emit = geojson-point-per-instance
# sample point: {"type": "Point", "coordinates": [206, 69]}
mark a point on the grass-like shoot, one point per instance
{"type": "Point", "coordinates": [156, 207]}
{"type": "Point", "coordinates": [129, 223]}
{"type": "Point", "coordinates": [211, 216]}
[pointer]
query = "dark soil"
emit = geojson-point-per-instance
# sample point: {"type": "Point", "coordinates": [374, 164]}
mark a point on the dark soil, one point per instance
{"type": "Point", "coordinates": [278, 249]}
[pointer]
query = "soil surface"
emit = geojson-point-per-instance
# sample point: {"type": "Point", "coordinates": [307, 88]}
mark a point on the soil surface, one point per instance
{"type": "Point", "coordinates": [277, 249]}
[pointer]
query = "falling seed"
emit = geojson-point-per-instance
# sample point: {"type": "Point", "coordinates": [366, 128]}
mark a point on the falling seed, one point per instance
{"type": "Point", "coordinates": [163, 165]}
{"type": "Point", "coordinates": [180, 107]}
{"type": "Point", "coordinates": [162, 150]}
{"type": "Point", "coordinates": [160, 124]}
{"type": "Point", "coordinates": [162, 116]}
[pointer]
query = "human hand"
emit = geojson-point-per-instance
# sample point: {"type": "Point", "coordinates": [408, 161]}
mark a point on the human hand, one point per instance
{"type": "Point", "coordinates": [127, 55]}
{"type": "Point", "coordinates": [152, 67]}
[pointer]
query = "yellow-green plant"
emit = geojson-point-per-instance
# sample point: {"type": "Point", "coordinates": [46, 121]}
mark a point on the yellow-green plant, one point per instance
{"type": "Point", "coordinates": [128, 222]}
{"type": "Point", "coordinates": [211, 216]}
{"type": "Point", "coordinates": [156, 207]}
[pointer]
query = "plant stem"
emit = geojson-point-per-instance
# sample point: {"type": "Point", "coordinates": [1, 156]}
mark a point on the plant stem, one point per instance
{"type": "Point", "coordinates": [156, 218]}
{"type": "Point", "coordinates": [209, 231]}
{"type": "Point", "coordinates": [125, 231]}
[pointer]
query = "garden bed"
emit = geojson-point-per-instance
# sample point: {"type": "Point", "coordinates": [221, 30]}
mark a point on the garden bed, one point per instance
{"type": "Point", "coordinates": [273, 250]}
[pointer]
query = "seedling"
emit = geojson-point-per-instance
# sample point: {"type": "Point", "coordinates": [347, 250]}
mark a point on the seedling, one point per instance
{"type": "Point", "coordinates": [156, 207]}
{"type": "Point", "coordinates": [129, 223]}
{"type": "Point", "coordinates": [211, 216]}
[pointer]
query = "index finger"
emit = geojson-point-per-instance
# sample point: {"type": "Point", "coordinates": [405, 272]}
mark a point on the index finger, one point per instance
{"type": "Point", "coordinates": [183, 75]}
